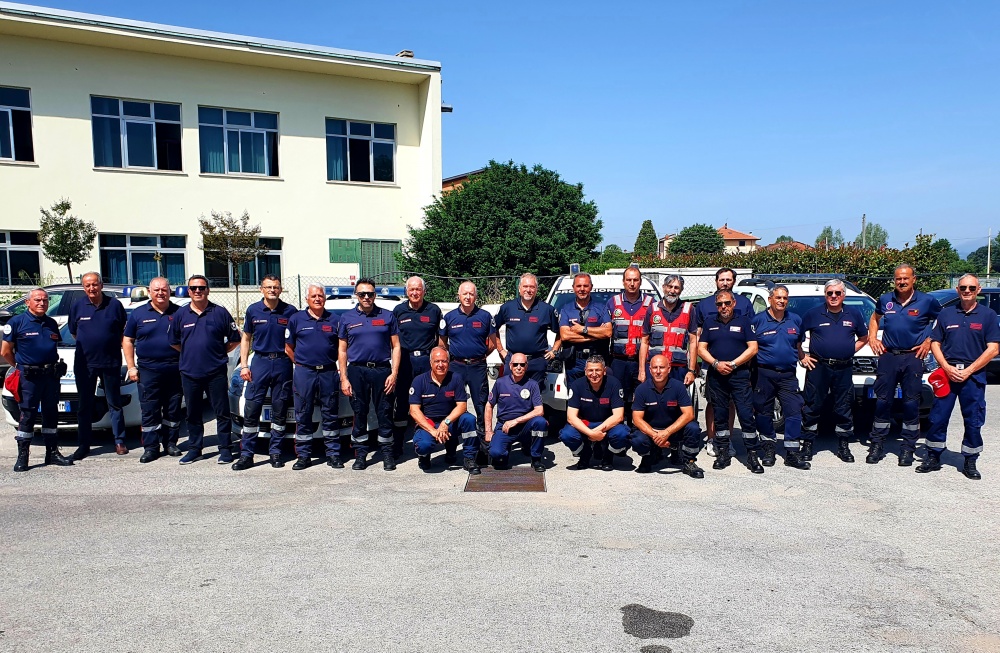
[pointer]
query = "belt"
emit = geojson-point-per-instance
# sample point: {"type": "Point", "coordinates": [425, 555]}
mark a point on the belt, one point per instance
{"type": "Point", "coordinates": [960, 365]}
{"type": "Point", "coordinates": [419, 352]}
{"type": "Point", "coordinates": [623, 357]}
{"type": "Point", "coordinates": [585, 353]}
{"type": "Point", "coordinates": [900, 352]}
{"type": "Point", "coordinates": [835, 362]}
{"type": "Point", "coordinates": [468, 361]}
{"type": "Point", "coordinates": [48, 367]}
{"type": "Point", "coordinates": [673, 364]}
{"type": "Point", "coordinates": [273, 355]}
{"type": "Point", "coordinates": [381, 365]}
{"type": "Point", "coordinates": [775, 368]}
{"type": "Point", "coordinates": [319, 368]}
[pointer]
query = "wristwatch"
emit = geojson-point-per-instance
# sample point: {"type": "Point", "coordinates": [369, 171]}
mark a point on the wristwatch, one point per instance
{"type": "Point", "coordinates": [447, 422]}
{"type": "Point", "coordinates": [585, 329]}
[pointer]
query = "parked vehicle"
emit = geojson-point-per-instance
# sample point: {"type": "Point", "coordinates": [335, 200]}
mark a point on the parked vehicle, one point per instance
{"type": "Point", "coordinates": [987, 297]}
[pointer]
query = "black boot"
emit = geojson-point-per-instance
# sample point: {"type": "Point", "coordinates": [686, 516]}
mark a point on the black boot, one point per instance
{"type": "Point", "coordinates": [875, 453]}
{"type": "Point", "coordinates": [54, 457]}
{"type": "Point", "coordinates": [23, 446]}
{"type": "Point", "coordinates": [932, 463]}
{"type": "Point", "coordinates": [360, 460]}
{"type": "Point", "coordinates": [302, 462]}
{"type": "Point", "coordinates": [424, 462]}
{"type": "Point", "coordinates": [722, 457]}
{"type": "Point", "coordinates": [388, 461]}
{"type": "Point", "coordinates": [149, 455]}
{"type": "Point", "coordinates": [539, 466]}
{"type": "Point", "coordinates": [905, 457]}
{"type": "Point", "coordinates": [245, 462]}
{"type": "Point", "coordinates": [970, 470]}
{"type": "Point", "coordinates": [607, 459]}
{"type": "Point", "coordinates": [844, 451]}
{"type": "Point", "coordinates": [691, 469]}
{"type": "Point", "coordinates": [806, 450]}
{"type": "Point", "coordinates": [753, 462]}
{"type": "Point", "coordinates": [470, 466]}
{"type": "Point", "coordinates": [674, 457]}
{"type": "Point", "coordinates": [583, 462]}
{"type": "Point", "coordinates": [794, 459]}
{"type": "Point", "coordinates": [335, 461]}
{"type": "Point", "coordinates": [276, 460]}
{"type": "Point", "coordinates": [645, 465]}
{"type": "Point", "coordinates": [768, 455]}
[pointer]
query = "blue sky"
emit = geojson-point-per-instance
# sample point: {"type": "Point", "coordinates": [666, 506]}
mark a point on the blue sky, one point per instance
{"type": "Point", "coordinates": [777, 117]}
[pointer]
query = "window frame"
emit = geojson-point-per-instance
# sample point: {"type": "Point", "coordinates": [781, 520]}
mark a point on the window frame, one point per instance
{"type": "Point", "coordinates": [9, 109]}
{"type": "Point", "coordinates": [152, 121]}
{"type": "Point", "coordinates": [6, 247]}
{"type": "Point", "coordinates": [130, 249]}
{"type": "Point", "coordinates": [372, 140]}
{"type": "Point", "coordinates": [252, 128]}
{"type": "Point", "coordinates": [230, 281]}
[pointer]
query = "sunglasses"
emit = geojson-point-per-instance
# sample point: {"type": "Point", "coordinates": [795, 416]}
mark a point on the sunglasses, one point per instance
{"type": "Point", "coordinates": [197, 288]}
{"type": "Point", "coordinates": [834, 293]}
{"type": "Point", "coordinates": [723, 303]}
{"type": "Point", "coordinates": [518, 364]}
{"type": "Point", "coordinates": [968, 288]}
{"type": "Point", "coordinates": [365, 294]}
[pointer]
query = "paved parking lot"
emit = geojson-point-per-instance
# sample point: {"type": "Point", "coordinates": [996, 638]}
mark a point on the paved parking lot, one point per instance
{"type": "Point", "coordinates": [111, 555]}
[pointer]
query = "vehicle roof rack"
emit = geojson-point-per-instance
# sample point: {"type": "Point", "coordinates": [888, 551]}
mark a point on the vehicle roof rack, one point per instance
{"type": "Point", "coordinates": [769, 280]}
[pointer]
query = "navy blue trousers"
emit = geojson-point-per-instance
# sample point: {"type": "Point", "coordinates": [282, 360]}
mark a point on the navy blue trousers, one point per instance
{"type": "Point", "coordinates": [971, 395]}
{"type": "Point", "coordinates": [40, 389]}
{"type": "Point", "coordinates": [689, 441]}
{"type": "Point", "coordinates": [462, 430]}
{"type": "Point", "coordinates": [311, 387]}
{"type": "Point", "coordinates": [783, 386]}
{"type": "Point", "coordinates": [530, 434]}
{"type": "Point", "coordinates": [160, 395]}
{"type": "Point", "coordinates": [86, 386]}
{"type": "Point", "coordinates": [825, 380]}
{"type": "Point", "coordinates": [905, 371]}
{"type": "Point", "coordinates": [274, 374]}
{"type": "Point", "coordinates": [478, 384]}
{"type": "Point", "coordinates": [735, 388]}
{"type": "Point", "coordinates": [368, 388]}
{"type": "Point", "coordinates": [216, 387]}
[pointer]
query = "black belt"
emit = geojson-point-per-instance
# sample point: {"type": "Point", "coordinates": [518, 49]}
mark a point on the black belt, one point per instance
{"type": "Point", "coordinates": [273, 355]}
{"type": "Point", "coordinates": [959, 364]}
{"type": "Point", "coordinates": [319, 368]}
{"type": "Point", "coordinates": [585, 353]}
{"type": "Point", "coordinates": [419, 352]}
{"type": "Point", "coordinates": [468, 361]}
{"type": "Point", "coordinates": [623, 357]}
{"type": "Point", "coordinates": [38, 369]}
{"type": "Point", "coordinates": [381, 365]}
{"type": "Point", "coordinates": [774, 368]}
{"type": "Point", "coordinates": [835, 362]}
{"type": "Point", "coordinates": [900, 352]}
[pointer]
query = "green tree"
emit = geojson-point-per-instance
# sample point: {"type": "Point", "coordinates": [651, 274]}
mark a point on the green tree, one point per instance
{"type": "Point", "coordinates": [874, 236]}
{"type": "Point", "coordinates": [829, 239]}
{"type": "Point", "coordinates": [784, 239]}
{"type": "Point", "coordinates": [506, 219]}
{"type": "Point", "coordinates": [610, 258]}
{"type": "Point", "coordinates": [646, 243]}
{"type": "Point", "coordinates": [231, 240]}
{"type": "Point", "coordinates": [698, 239]}
{"type": "Point", "coordinates": [65, 238]}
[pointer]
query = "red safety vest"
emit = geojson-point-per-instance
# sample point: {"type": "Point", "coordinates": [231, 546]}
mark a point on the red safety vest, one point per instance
{"type": "Point", "coordinates": [627, 329]}
{"type": "Point", "coordinates": [668, 338]}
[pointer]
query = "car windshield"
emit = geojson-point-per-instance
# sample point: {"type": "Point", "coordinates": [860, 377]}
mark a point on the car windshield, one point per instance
{"type": "Point", "coordinates": [597, 297]}
{"type": "Point", "coordinates": [67, 338]}
{"type": "Point", "coordinates": [799, 305]}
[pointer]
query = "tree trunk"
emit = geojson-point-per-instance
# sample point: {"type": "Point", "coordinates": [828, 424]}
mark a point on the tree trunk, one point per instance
{"type": "Point", "coordinates": [69, 271]}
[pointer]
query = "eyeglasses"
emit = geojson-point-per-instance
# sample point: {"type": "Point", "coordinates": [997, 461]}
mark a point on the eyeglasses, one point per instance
{"type": "Point", "coordinates": [834, 293]}
{"type": "Point", "coordinates": [723, 303]}
{"type": "Point", "coordinates": [278, 288]}
{"type": "Point", "coordinates": [365, 293]}
{"type": "Point", "coordinates": [968, 288]}
{"type": "Point", "coordinates": [518, 364]}
{"type": "Point", "coordinates": [197, 288]}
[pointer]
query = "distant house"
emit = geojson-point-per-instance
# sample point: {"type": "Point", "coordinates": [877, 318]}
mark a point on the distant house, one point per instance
{"type": "Point", "coordinates": [736, 241]}
{"type": "Point", "coordinates": [790, 244]}
{"type": "Point", "coordinates": [451, 183]}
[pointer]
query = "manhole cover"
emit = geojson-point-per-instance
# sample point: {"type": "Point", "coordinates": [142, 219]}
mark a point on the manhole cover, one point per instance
{"type": "Point", "coordinates": [518, 479]}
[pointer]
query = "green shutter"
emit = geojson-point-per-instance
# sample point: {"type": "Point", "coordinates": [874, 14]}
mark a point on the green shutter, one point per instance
{"type": "Point", "coordinates": [378, 260]}
{"type": "Point", "coordinates": [345, 250]}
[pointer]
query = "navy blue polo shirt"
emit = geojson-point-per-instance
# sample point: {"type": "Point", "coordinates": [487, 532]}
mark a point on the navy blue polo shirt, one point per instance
{"type": "Point", "coordinates": [706, 308]}
{"type": "Point", "coordinates": [151, 331]}
{"type": "Point", "coordinates": [368, 336]}
{"type": "Point", "coordinates": [266, 327]}
{"type": "Point", "coordinates": [905, 327]}
{"type": "Point", "coordinates": [661, 409]}
{"type": "Point", "coordinates": [437, 401]}
{"type": "Point", "coordinates": [467, 334]}
{"type": "Point", "coordinates": [964, 336]}
{"type": "Point", "coordinates": [526, 327]}
{"type": "Point", "coordinates": [512, 399]}
{"type": "Point", "coordinates": [777, 340]}
{"type": "Point", "coordinates": [34, 339]}
{"type": "Point", "coordinates": [314, 340]}
{"type": "Point", "coordinates": [418, 327]}
{"type": "Point", "coordinates": [591, 316]}
{"type": "Point", "coordinates": [595, 406]}
{"type": "Point", "coordinates": [98, 331]}
{"type": "Point", "coordinates": [203, 339]}
{"type": "Point", "coordinates": [832, 335]}
{"type": "Point", "coordinates": [727, 341]}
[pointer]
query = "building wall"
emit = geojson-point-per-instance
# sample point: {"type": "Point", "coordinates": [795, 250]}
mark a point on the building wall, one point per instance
{"type": "Point", "coordinates": [300, 206]}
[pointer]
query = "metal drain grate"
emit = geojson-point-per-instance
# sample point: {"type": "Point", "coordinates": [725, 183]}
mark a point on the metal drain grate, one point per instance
{"type": "Point", "coordinates": [518, 479]}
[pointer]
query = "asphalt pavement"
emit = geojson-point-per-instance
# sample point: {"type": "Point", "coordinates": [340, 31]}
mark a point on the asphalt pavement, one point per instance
{"type": "Point", "coordinates": [111, 555]}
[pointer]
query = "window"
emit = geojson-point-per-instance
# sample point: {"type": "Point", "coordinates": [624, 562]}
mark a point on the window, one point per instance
{"type": "Point", "coordinates": [238, 142]}
{"type": "Point", "coordinates": [136, 134]}
{"type": "Point", "coordinates": [222, 274]}
{"type": "Point", "coordinates": [129, 260]}
{"type": "Point", "coordinates": [375, 258]}
{"type": "Point", "coordinates": [743, 243]}
{"type": "Point", "coordinates": [15, 125]}
{"type": "Point", "coordinates": [20, 258]}
{"type": "Point", "coordinates": [360, 151]}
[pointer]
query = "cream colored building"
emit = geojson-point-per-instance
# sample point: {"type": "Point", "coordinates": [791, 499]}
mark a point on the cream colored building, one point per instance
{"type": "Point", "coordinates": [147, 127]}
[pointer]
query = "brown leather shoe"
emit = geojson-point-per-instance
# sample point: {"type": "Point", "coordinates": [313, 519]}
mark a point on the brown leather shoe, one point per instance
{"type": "Point", "coordinates": [121, 449]}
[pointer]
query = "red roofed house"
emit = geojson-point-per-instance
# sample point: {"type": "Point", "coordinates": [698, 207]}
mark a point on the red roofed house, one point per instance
{"type": "Point", "coordinates": [790, 244]}
{"type": "Point", "coordinates": [737, 241]}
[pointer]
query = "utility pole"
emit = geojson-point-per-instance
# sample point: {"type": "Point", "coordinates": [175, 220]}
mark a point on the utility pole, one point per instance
{"type": "Point", "coordinates": [864, 236]}
{"type": "Point", "coordinates": [989, 253]}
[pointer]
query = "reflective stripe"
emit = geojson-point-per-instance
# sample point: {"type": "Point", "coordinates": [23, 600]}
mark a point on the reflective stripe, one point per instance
{"type": "Point", "coordinates": [327, 434]}
{"type": "Point", "coordinates": [838, 429]}
{"type": "Point", "coordinates": [935, 445]}
{"type": "Point", "coordinates": [171, 425]}
{"type": "Point", "coordinates": [690, 450]}
{"type": "Point", "coordinates": [150, 429]}
{"type": "Point", "coordinates": [49, 431]}
{"type": "Point", "coordinates": [791, 445]}
{"type": "Point", "coordinates": [303, 437]}
{"type": "Point", "coordinates": [278, 428]}
{"type": "Point", "coordinates": [724, 435]}
{"type": "Point", "coordinates": [971, 450]}
{"type": "Point", "coordinates": [536, 434]}
{"type": "Point", "coordinates": [250, 430]}
{"type": "Point", "coordinates": [401, 423]}
{"type": "Point", "coordinates": [613, 450]}
{"type": "Point", "coordinates": [468, 434]}
{"type": "Point", "coordinates": [752, 437]}
{"type": "Point", "coordinates": [763, 436]}
{"type": "Point", "coordinates": [812, 428]}
{"type": "Point", "coordinates": [384, 439]}
{"type": "Point", "coordinates": [576, 452]}
{"type": "Point", "coordinates": [24, 435]}
{"type": "Point", "coordinates": [880, 425]}
{"type": "Point", "coordinates": [911, 427]}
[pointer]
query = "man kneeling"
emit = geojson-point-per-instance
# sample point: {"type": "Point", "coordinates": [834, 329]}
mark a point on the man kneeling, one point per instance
{"type": "Point", "coordinates": [516, 401]}
{"type": "Point", "coordinates": [437, 405]}
{"type": "Point", "coordinates": [662, 416]}
{"type": "Point", "coordinates": [594, 417]}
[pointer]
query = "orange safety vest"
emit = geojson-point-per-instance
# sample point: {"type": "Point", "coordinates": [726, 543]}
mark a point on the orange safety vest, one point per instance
{"type": "Point", "coordinates": [626, 332]}
{"type": "Point", "coordinates": [669, 338]}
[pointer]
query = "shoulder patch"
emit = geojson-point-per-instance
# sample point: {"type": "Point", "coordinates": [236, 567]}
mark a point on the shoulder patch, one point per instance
{"type": "Point", "coordinates": [525, 393]}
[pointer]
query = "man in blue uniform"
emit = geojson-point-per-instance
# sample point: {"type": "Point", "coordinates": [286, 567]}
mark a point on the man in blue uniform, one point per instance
{"type": "Point", "coordinates": [664, 418]}
{"type": "Point", "coordinates": [467, 332]}
{"type": "Point", "coordinates": [153, 363]}
{"type": "Point", "coordinates": [627, 311]}
{"type": "Point", "coordinates": [727, 344]}
{"type": "Point", "coordinates": [516, 403]}
{"type": "Point", "coordinates": [369, 350]}
{"type": "Point", "coordinates": [97, 321]}
{"type": "Point", "coordinates": [419, 321]}
{"type": "Point", "coordinates": [527, 319]}
{"type": "Point", "coordinates": [836, 333]}
{"type": "Point", "coordinates": [312, 343]}
{"type": "Point", "coordinates": [779, 334]}
{"type": "Point", "coordinates": [667, 330]}
{"type": "Point", "coordinates": [264, 331]}
{"type": "Point", "coordinates": [585, 327]}
{"type": "Point", "coordinates": [204, 333]}
{"type": "Point", "coordinates": [438, 404]}
{"type": "Point", "coordinates": [907, 315]}
{"type": "Point", "coordinates": [29, 341]}
{"type": "Point", "coordinates": [595, 414]}
{"type": "Point", "coordinates": [965, 339]}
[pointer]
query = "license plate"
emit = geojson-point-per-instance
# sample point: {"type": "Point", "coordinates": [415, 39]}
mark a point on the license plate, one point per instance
{"type": "Point", "coordinates": [871, 392]}
{"type": "Point", "coordinates": [266, 414]}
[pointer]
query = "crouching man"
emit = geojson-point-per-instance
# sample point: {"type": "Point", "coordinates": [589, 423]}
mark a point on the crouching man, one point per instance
{"type": "Point", "coordinates": [663, 417]}
{"type": "Point", "coordinates": [438, 404]}
{"type": "Point", "coordinates": [595, 415]}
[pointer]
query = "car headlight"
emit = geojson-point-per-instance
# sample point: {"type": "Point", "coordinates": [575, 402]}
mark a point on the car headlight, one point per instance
{"type": "Point", "coordinates": [554, 366]}
{"type": "Point", "coordinates": [930, 363]}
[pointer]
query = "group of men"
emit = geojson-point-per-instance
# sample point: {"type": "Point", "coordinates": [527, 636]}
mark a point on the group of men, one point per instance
{"type": "Point", "coordinates": [630, 365]}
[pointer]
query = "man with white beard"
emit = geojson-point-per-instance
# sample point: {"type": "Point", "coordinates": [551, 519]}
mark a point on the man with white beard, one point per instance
{"type": "Point", "coordinates": [666, 330]}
